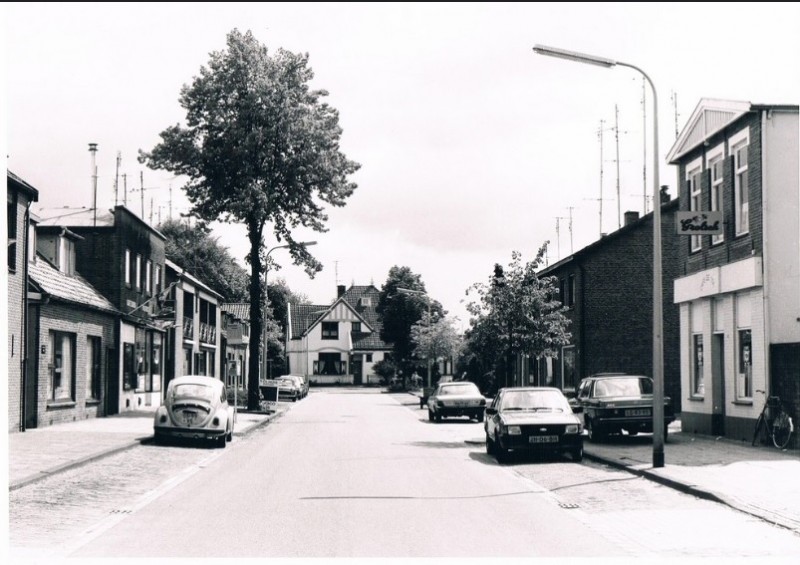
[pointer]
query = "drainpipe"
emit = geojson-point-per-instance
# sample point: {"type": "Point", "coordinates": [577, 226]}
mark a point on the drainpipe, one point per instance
{"type": "Point", "coordinates": [24, 333]}
{"type": "Point", "coordinates": [765, 115]}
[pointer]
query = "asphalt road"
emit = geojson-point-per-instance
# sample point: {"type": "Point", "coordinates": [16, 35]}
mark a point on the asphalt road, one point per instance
{"type": "Point", "coordinates": [360, 473]}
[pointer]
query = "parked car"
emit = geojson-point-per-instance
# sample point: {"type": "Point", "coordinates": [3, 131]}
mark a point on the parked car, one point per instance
{"type": "Point", "coordinates": [288, 388]}
{"type": "Point", "coordinates": [613, 402]}
{"type": "Point", "coordinates": [195, 407]}
{"type": "Point", "coordinates": [456, 399]}
{"type": "Point", "coordinates": [532, 419]}
{"type": "Point", "coordinates": [301, 383]}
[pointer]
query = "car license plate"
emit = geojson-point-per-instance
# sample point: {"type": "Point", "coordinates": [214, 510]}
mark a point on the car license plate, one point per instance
{"type": "Point", "coordinates": [637, 412]}
{"type": "Point", "coordinates": [189, 417]}
{"type": "Point", "coordinates": [461, 403]}
{"type": "Point", "coordinates": [543, 439]}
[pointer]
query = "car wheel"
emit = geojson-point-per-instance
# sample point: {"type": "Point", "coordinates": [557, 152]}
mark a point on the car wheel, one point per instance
{"type": "Point", "coordinates": [501, 453]}
{"type": "Point", "coordinates": [229, 435]}
{"type": "Point", "coordinates": [221, 442]}
{"type": "Point", "coordinates": [577, 454]}
{"type": "Point", "coordinates": [438, 417]}
{"type": "Point", "coordinates": [159, 439]}
{"type": "Point", "coordinates": [430, 415]}
{"type": "Point", "coordinates": [489, 445]}
{"type": "Point", "coordinates": [595, 435]}
{"type": "Point", "coordinates": [479, 417]}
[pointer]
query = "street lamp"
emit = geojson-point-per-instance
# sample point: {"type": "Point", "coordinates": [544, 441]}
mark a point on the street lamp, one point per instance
{"type": "Point", "coordinates": [658, 346]}
{"type": "Point", "coordinates": [265, 366]}
{"type": "Point", "coordinates": [428, 298]}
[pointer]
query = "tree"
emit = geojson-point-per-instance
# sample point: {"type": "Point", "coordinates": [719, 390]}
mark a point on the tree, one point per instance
{"type": "Point", "coordinates": [520, 310]}
{"type": "Point", "coordinates": [435, 338]}
{"type": "Point", "coordinates": [259, 146]}
{"type": "Point", "coordinates": [194, 249]}
{"type": "Point", "coordinates": [400, 311]}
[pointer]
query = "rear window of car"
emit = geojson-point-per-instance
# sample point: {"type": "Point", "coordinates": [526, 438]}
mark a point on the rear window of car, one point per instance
{"type": "Point", "coordinates": [634, 386]}
{"type": "Point", "coordinates": [465, 388]}
{"type": "Point", "coordinates": [193, 391]}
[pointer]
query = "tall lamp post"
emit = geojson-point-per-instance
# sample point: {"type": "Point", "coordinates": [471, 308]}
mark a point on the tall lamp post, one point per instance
{"type": "Point", "coordinates": [428, 299]}
{"type": "Point", "coordinates": [264, 366]}
{"type": "Point", "coordinates": [658, 347]}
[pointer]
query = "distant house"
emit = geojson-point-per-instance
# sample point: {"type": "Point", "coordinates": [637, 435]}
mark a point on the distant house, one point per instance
{"type": "Point", "coordinates": [236, 323]}
{"type": "Point", "coordinates": [194, 337]}
{"type": "Point", "coordinates": [738, 292]}
{"type": "Point", "coordinates": [337, 343]}
{"type": "Point", "coordinates": [608, 289]}
{"type": "Point", "coordinates": [72, 335]}
{"type": "Point", "coordinates": [21, 391]}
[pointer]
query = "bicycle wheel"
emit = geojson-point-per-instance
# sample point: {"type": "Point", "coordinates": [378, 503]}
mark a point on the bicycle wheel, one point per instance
{"type": "Point", "coordinates": [760, 429]}
{"type": "Point", "coordinates": [781, 430]}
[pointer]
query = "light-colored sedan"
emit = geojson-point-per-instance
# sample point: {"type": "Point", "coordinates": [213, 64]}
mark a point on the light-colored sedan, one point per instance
{"type": "Point", "coordinates": [460, 398]}
{"type": "Point", "coordinates": [195, 407]}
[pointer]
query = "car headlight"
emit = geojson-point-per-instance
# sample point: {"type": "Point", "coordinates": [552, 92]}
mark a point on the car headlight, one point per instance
{"type": "Point", "coordinates": [513, 430]}
{"type": "Point", "coordinates": [572, 429]}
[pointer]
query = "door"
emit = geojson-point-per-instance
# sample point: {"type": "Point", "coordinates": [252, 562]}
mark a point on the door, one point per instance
{"type": "Point", "coordinates": [31, 369]}
{"type": "Point", "coordinates": [718, 384]}
{"type": "Point", "coordinates": [112, 388]}
{"type": "Point", "coordinates": [357, 366]}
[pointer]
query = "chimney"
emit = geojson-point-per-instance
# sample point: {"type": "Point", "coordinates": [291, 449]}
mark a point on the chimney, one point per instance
{"type": "Point", "coordinates": [663, 194]}
{"type": "Point", "coordinates": [631, 217]}
{"type": "Point", "coordinates": [340, 289]}
{"type": "Point", "coordinates": [93, 151]}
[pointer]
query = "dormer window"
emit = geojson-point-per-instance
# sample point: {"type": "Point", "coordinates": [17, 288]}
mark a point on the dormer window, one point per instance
{"type": "Point", "coordinates": [66, 256]}
{"type": "Point", "coordinates": [366, 301]}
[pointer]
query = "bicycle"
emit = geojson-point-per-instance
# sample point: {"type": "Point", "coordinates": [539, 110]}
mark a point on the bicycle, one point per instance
{"type": "Point", "coordinates": [773, 423]}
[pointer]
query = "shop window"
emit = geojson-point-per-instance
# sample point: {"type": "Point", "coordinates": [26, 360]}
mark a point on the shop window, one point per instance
{"type": "Point", "coordinates": [93, 367]}
{"type": "Point", "coordinates": [698, 386]}
{"type": "Point", "coordinates": [129, 366]}
{"type": "Point", "coordinates": [62, 373]}
{"type": "Point", "coordinates": [745, 363]}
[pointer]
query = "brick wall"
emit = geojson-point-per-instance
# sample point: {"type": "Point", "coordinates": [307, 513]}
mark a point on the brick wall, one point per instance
{"type": "Point", "coordinates": [82, 322]}
{"type": "Point", "coordinates": [16, 334]}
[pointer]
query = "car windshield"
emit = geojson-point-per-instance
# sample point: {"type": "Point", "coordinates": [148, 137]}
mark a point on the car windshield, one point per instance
{"type": "Point", "coordinates": [634, 386]}
{"type": "Point", "coordinates": [535, 400]}
{"type": "Point", "coordinates": [466, 388]}
{"type": "Point", "coordinates": [193, 391]}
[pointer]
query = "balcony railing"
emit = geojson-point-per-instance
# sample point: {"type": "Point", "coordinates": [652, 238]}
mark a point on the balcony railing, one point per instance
{"type": "Point", "coordinates": [208, 333]}
{"type": "Point", "coordinates": [188, 328]}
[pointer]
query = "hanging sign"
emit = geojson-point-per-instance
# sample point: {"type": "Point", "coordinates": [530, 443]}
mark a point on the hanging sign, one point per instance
{"type": "Point", "coordinates": [699, 223]}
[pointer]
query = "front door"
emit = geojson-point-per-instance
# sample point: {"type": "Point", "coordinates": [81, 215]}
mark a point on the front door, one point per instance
{"type": "Point", "coordinates": [112, 387]}
{"type": "Point", "coordinates": [356, 365]}
{"type": "Point", "coordinates": [718, 384]}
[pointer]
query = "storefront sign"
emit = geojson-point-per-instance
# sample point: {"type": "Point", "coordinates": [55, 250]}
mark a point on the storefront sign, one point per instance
{"type": "Point", "coordinates": [699, 223]}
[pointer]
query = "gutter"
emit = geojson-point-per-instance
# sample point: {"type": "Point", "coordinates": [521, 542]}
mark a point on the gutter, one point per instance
{"type": "Point", "coordinates": [24, 333]}
{"type": "Point", "coordinates": [765, 115]}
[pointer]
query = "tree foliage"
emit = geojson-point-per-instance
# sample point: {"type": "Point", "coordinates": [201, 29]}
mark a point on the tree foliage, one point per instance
{"type": "Point", "coordinates": [435, 338]}
{"type": "Point", "coordinates": [196, 250]}
{"type": "Point", "coordinates": [259, 147]}
{"type": "Point", "coordinates": [399, 312]}
{"type": "Point", "coordinates": [518, 312]}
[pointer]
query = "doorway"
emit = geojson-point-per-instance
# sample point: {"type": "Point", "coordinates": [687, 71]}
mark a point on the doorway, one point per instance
{"type": "Point", "coordinates": [718, 384]}
{"type": "Point", "coordinates": [357, 366]}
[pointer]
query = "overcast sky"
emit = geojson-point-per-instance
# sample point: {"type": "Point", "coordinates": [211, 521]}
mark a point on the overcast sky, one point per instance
{"type": "Point", "coordinates": [471, 145]}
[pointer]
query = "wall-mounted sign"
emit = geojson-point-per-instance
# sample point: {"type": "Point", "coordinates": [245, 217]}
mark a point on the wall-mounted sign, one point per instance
{"type": "Point", "coordinates": [699, 223]}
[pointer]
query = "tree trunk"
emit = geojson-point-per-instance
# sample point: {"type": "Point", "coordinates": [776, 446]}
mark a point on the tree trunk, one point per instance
{"type": "Point", "coordinates": [256, 322]}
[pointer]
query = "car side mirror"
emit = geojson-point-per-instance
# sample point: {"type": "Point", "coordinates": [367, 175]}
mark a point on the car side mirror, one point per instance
{"type": "Point", "coordinates": [577, 409]}
{"type": "Point", "coordinates": [491, 411]}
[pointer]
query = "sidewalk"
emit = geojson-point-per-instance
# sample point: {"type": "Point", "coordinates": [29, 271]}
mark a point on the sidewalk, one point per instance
{"type": "Point", "coordinates": [38, 453]}
{"type": "Point", "coordinates": [761, 481]}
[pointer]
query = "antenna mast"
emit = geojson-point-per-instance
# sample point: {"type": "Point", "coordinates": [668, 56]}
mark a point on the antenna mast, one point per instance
{"type": "Point", "coordinates": [675, 110]}
{"type": "Point", "coordinates": [116, 179]}
{"type": "Point", "coordinates": [644, 147]}
{"type": "Point", "coordinates": [616, 139]}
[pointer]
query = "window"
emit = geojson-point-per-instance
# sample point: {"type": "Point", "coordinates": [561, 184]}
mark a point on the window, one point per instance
{"type": "Point", "coordinates": [155, 363]}
{"type": "Point", "coordinates": [129, 366]}
{"type": "Point", "coordinates": [66, 256]}
{"type": "Point", "coordinates": [568, 368]}
{"type": "Point", "coordinates": [571, 290]}
{"type": "Point", "coordinates": [369, 357]}
{"type": "Point", "coordinates": [138, 272]}
{"type": "Point", "coordinates": [12, 229]}
{"type": "Point", "coordinates": [62, 374]}
{"type": "Point", "coordinates": [330, 364]}
{"type": "Point", "coordinates": [695, 203]}
{"type": "Point", "coordinates": [157, 280]}
{"type": "Point", "coordinates": [93, 367]}
{"type": "Point", "coordinates": [330, 330]}
{"type": "Point", "coordinates": [744, 347]}
{"type": "Point", "coordinates": [142, 362]}
{"type": "Point", "coordinates": [698, 387]}
{"type": "Point", "coordinates": [562, 290]}
{"type": "Point", "coordinates": [128, 267]}
{"type": "Point", "coordinates": [740, 189]}
{"type": "Point", "coordinates": [356, 327]}
{"type": "Point", "coordinates": [148, 271]}
{"type": "Point", "coordinates": [366, 301]}
{"type": "Point", "coordinates": [715, 167]}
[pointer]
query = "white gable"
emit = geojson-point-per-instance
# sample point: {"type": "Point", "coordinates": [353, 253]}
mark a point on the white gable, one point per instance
{"type": "Point", "coordinates": [709, 117]}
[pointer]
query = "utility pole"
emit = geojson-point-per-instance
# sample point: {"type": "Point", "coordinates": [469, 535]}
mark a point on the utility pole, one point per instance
{"type": "Point", "coordinates": [600, 135]}
{"type": "Point", "coordinates": [616, 138]}
{"type": "Point", "coordinates": [675, 110]}
{"type": "Point", "coordinates": [644, 146]}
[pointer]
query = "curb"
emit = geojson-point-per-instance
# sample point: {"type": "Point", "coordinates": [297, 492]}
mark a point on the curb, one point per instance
{"type": "Point", "coordinates": [145, 440]}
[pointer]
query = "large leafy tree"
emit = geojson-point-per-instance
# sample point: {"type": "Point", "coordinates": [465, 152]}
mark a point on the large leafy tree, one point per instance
{"type": "Point", "coordinates": [259, 146]}
{"type": "Point", "coordinates": [435, 338]}
{"type": "Point", "coordinates": [400, 311]}
{"type": "Point", "coordinates": [520, 310]}
{"type": "Point", "coordinates": [194, 248]}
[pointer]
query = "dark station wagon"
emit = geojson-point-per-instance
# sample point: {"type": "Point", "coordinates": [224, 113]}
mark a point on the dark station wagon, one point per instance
{"type": "Point", "coordinates": [613, 402]}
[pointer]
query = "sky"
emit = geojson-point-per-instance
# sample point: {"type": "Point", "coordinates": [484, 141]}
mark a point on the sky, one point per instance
{"type": "Point", "coordinates": [471, 146]}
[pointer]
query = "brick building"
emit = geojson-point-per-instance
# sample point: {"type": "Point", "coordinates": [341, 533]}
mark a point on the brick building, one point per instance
{"type": "Point", "coordinates": [20, 195]}
{"type": "Point", "coordinates": [608, 289]}
{"type": "Point", "coordinates": [739, 291]}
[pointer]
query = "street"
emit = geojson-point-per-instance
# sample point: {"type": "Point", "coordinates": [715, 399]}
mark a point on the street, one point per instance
{"type": "Point", "coordinates": [352, 472]}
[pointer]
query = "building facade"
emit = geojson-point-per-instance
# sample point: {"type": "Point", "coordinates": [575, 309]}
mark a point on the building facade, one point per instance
{"type": "Point", "coordinates": [339, 343]}
{"type": "Point", "coordinates": [236, 324]}
{"type": "Point", "coordinates": [20, 195]}
{"type": "Point", "coordinates": [607, 288]}
{"type": "Point", "coordinates": [738, 291]}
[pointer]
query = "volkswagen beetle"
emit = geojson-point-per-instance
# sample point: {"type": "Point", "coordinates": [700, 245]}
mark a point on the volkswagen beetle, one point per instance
{"type": "Point", "coordinates": [195, 407]}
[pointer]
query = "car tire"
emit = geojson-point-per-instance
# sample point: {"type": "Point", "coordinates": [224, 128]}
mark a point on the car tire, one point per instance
{"type": "Point", "coordinates": [221, 442]}
{"type": "Point", "coordinates": [438, 417]}
{"type": "Point", "coordinates": [577, 454]}
{"type": "Point", "coordinates": [501, 453]}
{"type": "Point", "coordinates": [489, 445]}
{"type": "Point", "coordinates": [595, 435]}
{"type": "Point", "coordinates": [479, 417]}
{"type": "Point", "coordinates": [159, 439]}
{"type": "Point", "coordinates": [430, 415]}
{"type": "Point", "coordinates": [229, 435]}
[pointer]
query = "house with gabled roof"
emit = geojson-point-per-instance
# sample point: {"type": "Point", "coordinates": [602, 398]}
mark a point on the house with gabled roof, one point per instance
{"type": "Point", "coordinates": [236, 326]}
{"type": "Point", "coordinates": [72, 337]}
{"type": "Point", "coordinates": [337, 343]}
